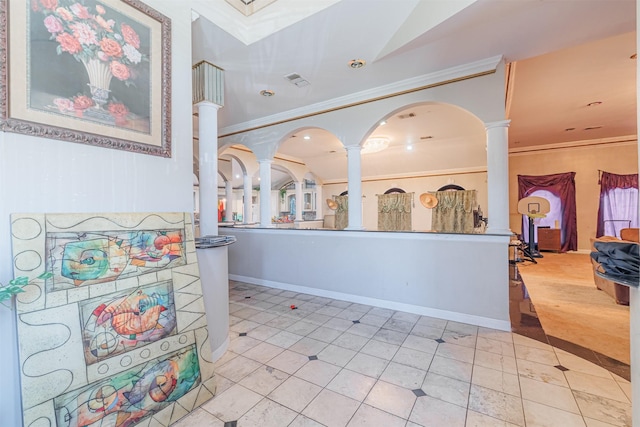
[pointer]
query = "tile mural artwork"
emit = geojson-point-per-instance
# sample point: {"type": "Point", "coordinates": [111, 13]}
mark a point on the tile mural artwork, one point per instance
{"type": "Point", "coordinates": [116, 333]}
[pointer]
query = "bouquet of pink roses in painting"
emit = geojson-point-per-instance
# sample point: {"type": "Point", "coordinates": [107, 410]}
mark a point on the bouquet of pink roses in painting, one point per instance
{"type": "Point", "coordinates": [107, 47]}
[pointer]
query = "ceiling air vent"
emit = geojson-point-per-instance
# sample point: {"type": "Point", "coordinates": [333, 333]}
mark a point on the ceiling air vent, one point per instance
{"type": "Point", "coordinates": [406, 116]}
{"type": "Point", "coordinates": [297, 79]}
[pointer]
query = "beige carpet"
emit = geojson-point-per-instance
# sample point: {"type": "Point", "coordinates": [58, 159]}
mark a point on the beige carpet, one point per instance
{"type": "Point", "coordinates": [571, 308]}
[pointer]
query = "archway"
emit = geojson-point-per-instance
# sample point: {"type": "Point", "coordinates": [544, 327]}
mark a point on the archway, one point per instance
{"type": "Point", "coordinates": [420, 148]}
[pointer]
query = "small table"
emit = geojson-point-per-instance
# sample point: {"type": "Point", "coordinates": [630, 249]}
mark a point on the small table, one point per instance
{"type": "Point", "coordinates": [549, 239]}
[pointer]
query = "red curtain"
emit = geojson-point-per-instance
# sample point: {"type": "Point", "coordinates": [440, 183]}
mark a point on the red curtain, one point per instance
{"type": "Point", "coordinates": [609, 181]}
{"type": "Point", "coordinates": [562, 185]}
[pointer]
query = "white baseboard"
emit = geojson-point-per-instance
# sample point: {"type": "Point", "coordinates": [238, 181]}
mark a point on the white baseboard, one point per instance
{"type": "Point", "coordinates": [218, 352]}
{"type": "Point", "coordinates": [502, 325]}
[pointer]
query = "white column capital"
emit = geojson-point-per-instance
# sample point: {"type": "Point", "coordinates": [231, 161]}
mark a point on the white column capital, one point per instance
{"type": "Point", "coordinates": [208, 104]}
{"type": "Point", "coordinates": [353, 148]}
{"type": "Point", "coordinates": [265, 161]}
{"type": "Point", "coordinates": [498, 124]}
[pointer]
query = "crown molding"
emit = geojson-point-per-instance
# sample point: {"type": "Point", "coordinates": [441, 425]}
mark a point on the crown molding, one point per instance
{"type": "Point", "coordinates": [620, 140]}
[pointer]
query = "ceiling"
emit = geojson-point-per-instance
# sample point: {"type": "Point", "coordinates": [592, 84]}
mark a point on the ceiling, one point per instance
{"type": "Point", "coordinates": [562, 56]}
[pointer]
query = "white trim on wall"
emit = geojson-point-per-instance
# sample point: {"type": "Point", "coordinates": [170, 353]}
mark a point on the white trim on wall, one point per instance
{"type": "Point", "coordinates": [618, 140]}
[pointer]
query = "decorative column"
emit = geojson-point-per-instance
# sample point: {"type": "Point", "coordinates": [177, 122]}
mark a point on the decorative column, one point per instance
{"type": "Point", "coordinates": [354, 187]}
{"type": "Point", "coordinates": [498, 177]}
{"type": "Point", "coordinates": [208, 96]}
{"type": "Point", "coordinates": [213, 262]}
{"type": "Point", "coordinates": [208, 161]}
{"type": "Point", "coordinates": [319, 202]}
{"type": "Point", "coordinates": [299, 201]}
{"type": "Point", "coordinates": [228, 194]}
{"type": "Point", "coordinates": [265, 192]}
{"type": "Point", "coordinates": [246, 214]}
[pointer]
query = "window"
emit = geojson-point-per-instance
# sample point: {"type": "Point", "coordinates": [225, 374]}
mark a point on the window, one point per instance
{"type": "Point", "coordinates": [619, 210]}
{"type": "Point", "coordinates": [618, 203]}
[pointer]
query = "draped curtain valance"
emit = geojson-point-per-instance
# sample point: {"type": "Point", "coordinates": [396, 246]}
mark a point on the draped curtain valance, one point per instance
{"type": "Point", "coordinates": [609, 181]}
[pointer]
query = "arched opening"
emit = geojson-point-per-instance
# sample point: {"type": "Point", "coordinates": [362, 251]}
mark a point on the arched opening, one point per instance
{"type": "Point", "coordinates": [313, 156]}
{"type": "Point", "coordinates": [237, 163]}
{"type": "Point", "coordinates": [423, 147]}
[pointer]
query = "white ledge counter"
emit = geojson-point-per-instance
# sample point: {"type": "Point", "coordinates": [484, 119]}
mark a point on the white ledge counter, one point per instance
{"type": "Point", "coordinates": [459, 277]}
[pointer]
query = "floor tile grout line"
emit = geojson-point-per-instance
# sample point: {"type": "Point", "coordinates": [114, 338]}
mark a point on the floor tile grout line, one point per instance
{"type": "Point", "coordinates": [549, 338]}
{"type": "Point", "coordinates": [524, 414]}
{"type": "Point", "coordinates": [377, 379]}
{"type": "Point", "coordinates": [584, 373]}
{"type": "Point", "coordinates": [475, 348]}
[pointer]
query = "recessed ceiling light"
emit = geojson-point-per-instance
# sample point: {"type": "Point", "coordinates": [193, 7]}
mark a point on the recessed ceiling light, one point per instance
{"type": "Point", "coordinates": [306, 137]}
{"type": "Point", "coordinates": [409, 147]}
{"type": "Point", "coordinates": [382, 123]}
{"type": "Point", "coordinates": [237, 176]}
{"type": "Point", "coordinates": [267, 93]}
{"type": "Point", "coordinates": [593, 104]}
{"type": "Point", "coordinates": [357, 63]}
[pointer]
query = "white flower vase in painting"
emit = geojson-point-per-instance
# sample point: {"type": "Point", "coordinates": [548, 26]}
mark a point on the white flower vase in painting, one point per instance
{"type": "Point", "coordinates": [99, 80]}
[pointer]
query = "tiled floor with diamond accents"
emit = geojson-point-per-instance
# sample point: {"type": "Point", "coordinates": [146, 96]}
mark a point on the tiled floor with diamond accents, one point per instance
{"type": "Point", "coordinates": [334, 363]}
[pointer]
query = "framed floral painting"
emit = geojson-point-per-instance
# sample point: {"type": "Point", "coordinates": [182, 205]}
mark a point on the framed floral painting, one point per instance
{"type": "Point", "coordinates": [91, 71]}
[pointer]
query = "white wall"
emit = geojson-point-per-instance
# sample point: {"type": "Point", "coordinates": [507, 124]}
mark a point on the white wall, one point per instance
{"type": "Point", "coordinates": [421, 216]}
{"type": "Point", "coordinates": [461, 277]}
{"type": "Point", "coordinates": [41, 175]}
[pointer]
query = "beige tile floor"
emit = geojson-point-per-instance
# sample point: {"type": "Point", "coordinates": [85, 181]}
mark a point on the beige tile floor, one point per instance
{"type": "Point", "coordinates": [333, 363]}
